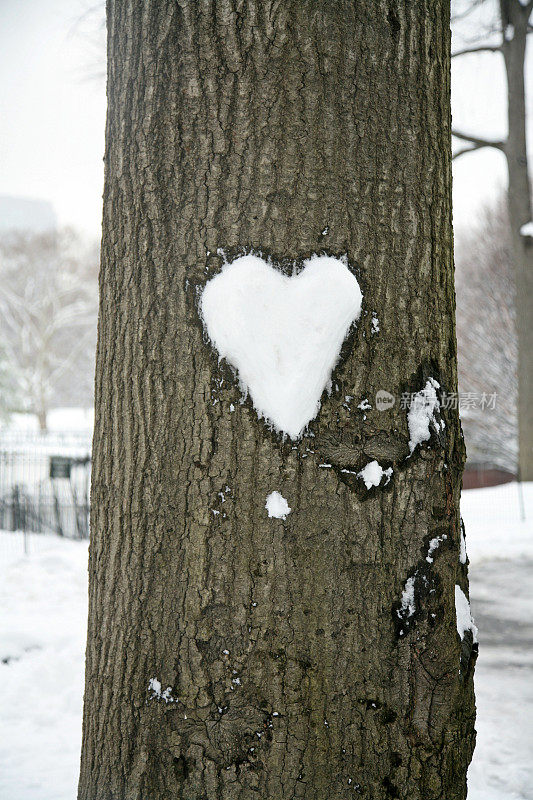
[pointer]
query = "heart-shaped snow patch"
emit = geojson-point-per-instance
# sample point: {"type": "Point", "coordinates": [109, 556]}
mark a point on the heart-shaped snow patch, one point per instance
{"type": "Point", "coordinates": [283, 335]}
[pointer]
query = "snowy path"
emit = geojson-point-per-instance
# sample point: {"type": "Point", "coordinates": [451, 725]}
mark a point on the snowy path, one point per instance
{"type": "Point", "coordinates": [501, 600]}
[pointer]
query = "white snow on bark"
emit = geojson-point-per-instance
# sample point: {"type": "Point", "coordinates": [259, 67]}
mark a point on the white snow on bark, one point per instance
{"type": "Point", "coordinates": [422, 414]}
{"type": "Point", "coordinates": [462, 549]}
{"type": "Point", "coordinates": [154, 686]}
{"type": "Point", "coordinates": [277, 506]}
{"type": "Point", "coordinates": [464, 617]}
{"type": "Point", "coordinates": [373, 473]}
{"type": "Point", "coordinates": [433, 545]}
{"type": "Point", "coordinates": [527, 229]}
{"type": "Point", "coordinates": [408, 598]}
{"type": "Point", "coordinates": [282, 334]}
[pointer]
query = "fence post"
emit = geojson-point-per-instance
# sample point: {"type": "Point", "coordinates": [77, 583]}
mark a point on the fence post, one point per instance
{"type": "Point", "coordinates": [521, 497]}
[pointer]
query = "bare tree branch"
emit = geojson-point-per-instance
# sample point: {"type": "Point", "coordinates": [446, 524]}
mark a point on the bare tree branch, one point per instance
{"type": "Point", "coordinates": [462, 151]}
{"type": "Point", "coordinates": [477, 143]}
{"type": "Point", "coordinates": [456, 17]}
{"type": "Point", "coordinates": [486, 48]}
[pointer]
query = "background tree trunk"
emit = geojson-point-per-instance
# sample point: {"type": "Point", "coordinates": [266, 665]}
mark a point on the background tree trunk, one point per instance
{"type": "Point", "coordinates": [520, 212]}
{"type": "Point", "coordinates": [290, 128]}
{"type": "Point", "coordinates": [515, 27]}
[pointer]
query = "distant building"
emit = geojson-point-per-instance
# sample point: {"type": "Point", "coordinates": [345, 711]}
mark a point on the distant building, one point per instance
{"type": "Point", "coordinates": [17, 213]}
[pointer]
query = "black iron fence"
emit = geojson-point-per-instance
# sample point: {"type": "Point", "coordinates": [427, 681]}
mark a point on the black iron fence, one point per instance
{"type": "Point", "coordinates": [44, 482]}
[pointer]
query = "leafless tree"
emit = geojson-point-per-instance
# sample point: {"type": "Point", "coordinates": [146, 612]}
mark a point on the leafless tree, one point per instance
{"type": "Point", "coordinates": [506, 34]}
{"type": "Point", "coordinates": [89, 30]}
{"type": "Point", "coordinates": [6, 386]}
{"type": "Point", "coordinates": [48, 301]}
{"type": "Point", "coordinates": [487, 342]}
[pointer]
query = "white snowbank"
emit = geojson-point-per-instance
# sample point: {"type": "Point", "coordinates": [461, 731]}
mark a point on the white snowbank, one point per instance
{"type": "Point", "coordinates": [277, 506]}
{"type": "Point", "coordinates": [464, 617]}
{"type": "Point", "coordinates": [59, 420]}
{"type": "Point", "coordinates": [493, 524]}
{"type": "Point", "coordinates": [422, 413]}
{"type": "Point", "coordinates": [373, 473]}
{"type": "Point", "coordinates": [43, 621]}
{"type": "Point", "coordinates": [283, 335]}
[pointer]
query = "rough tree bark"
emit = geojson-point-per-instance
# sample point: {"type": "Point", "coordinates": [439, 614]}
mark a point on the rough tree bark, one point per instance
{"type": "Point", "coordinates": [515, 27]}
{"type": "Point", "coordinates": [288, 128]}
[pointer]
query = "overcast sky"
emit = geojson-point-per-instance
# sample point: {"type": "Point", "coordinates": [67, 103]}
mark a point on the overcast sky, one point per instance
{"type": "Point", "coordinates": [52, 113]}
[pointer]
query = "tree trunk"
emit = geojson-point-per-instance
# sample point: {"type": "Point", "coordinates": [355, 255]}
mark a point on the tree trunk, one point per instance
{"type": "Point", "coordinates": [42, 418]}
{"type": "Point", "coordinates": [232, 655]}
{"type": "Point", "coordinates": [520, 212]}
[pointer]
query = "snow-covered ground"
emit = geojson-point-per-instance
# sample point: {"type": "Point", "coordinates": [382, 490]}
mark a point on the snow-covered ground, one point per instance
{"type": "Point", "coordinates": [42, 631]}
{"type": "Point", "coordinates": [43, 608]}
{"type": "Point", "coordinates": [494, 528]}
{"type": "Point", "coordinates": [59, 420]}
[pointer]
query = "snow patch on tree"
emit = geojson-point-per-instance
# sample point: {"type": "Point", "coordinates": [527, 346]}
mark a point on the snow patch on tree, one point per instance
{"type": "Point", "coordinates": [282, 334]}
{"type": "Point", "coordinates": [407, 608]}
{"type": "Point", "coordinates": [422, 414]}
{"type": "Point", "coordinates": [372, 474]}
{"type": "Point", "coordinates": [156, 691]}
{"type": "Point", "coordinates": [277, 506]}
{"type": "Point", "coordinates": [462, 548]}
{"type": "Point", "coordinates": [464, 616]}
{"type": "Point", "coordinates": [433, 545]}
